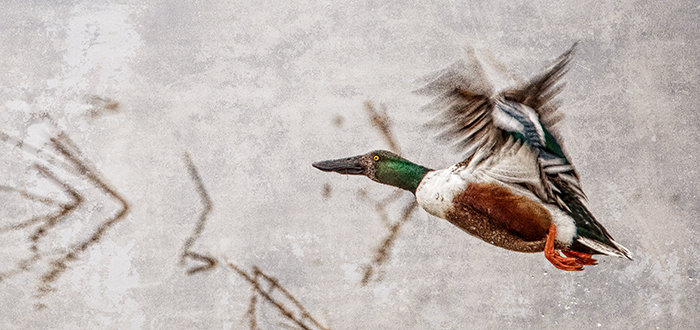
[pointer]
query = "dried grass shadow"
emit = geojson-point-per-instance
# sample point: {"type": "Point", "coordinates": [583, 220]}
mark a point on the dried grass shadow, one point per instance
{"type": "Point", "coordinates": [47, 221]}
{"type": "Point", "coordinates": [383, 252]}
{"type": "Point", "coordinates": [301, 319]}
{"type": "Point", "coordinates": [293, 310]}
{"type": "Point", "coordinates": [100, 106]}
{"type": "Point", "coordinates": [74, 162]}
{"type": "Point", "coordinates": [209, 262]}
{"type": "Point", "coordinates": [381, 121]}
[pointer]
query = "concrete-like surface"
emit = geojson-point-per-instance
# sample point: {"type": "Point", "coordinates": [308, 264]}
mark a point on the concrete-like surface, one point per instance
{"type": "Point", "coordinates": [257, 91]}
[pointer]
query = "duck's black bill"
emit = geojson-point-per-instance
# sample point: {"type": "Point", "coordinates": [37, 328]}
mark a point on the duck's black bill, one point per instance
{"type": "Point", "coordinates": [350, 165]}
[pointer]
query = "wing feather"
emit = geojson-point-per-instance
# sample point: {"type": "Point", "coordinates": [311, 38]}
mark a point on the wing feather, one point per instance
{"type": "Point", "coordinates": [482, 124]}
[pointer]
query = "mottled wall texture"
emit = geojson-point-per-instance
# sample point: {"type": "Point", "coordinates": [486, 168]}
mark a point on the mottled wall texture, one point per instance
{"type": "Point", "coordinates": [155, 164]}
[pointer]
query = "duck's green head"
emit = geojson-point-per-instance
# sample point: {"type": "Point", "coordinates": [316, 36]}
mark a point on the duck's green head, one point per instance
{"type": "Point", "coordinates": [381, 166]}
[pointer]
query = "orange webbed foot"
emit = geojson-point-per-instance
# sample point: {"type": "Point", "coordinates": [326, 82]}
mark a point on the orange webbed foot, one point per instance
{"type": "Point", "coordinates": [569, 263]}
{"type": "Point", "coordinates": [583, 258]}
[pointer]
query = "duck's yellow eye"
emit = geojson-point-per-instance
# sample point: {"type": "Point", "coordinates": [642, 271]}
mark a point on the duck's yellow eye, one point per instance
{"type": "Point", "coordinates": [376, 158]}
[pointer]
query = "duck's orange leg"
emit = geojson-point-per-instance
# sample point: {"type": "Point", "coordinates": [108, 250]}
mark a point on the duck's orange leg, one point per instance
{"type": "Point", "coordinates": [563, 263]}
{"type": "Point", "coordinates": [583, 258]}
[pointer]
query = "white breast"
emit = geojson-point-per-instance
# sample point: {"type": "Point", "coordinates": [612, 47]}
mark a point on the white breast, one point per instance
{"type": "Point", "coordinates": [437, 190]}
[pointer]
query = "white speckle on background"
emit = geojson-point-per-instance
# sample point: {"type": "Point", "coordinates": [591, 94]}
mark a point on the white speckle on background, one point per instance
{"type": "Point", "coordinates": [352, 273]}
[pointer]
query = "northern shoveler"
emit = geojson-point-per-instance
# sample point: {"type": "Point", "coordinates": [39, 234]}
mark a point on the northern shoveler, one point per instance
{"type": "Point", "coordinates": [516, 189]}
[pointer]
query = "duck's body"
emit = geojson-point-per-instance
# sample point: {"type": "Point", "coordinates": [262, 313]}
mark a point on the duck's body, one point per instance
{"type": "Point", "coordinates": [517, 189]}
{"type": "Point", "coordinates": [504, 216]}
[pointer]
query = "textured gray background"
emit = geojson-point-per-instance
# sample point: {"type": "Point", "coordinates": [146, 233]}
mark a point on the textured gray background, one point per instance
{"type": "Point", "coordinates": [252, 90]}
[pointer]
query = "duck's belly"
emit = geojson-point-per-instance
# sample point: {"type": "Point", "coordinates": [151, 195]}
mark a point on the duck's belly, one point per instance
{"type": "Point", "coordinates": [482, 227]}
{"type": "Point", "coordinates": [496, 215]}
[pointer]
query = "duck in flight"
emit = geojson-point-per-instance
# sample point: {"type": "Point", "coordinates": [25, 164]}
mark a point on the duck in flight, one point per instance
{"type": "Point", "coordinates": [516, 189]}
